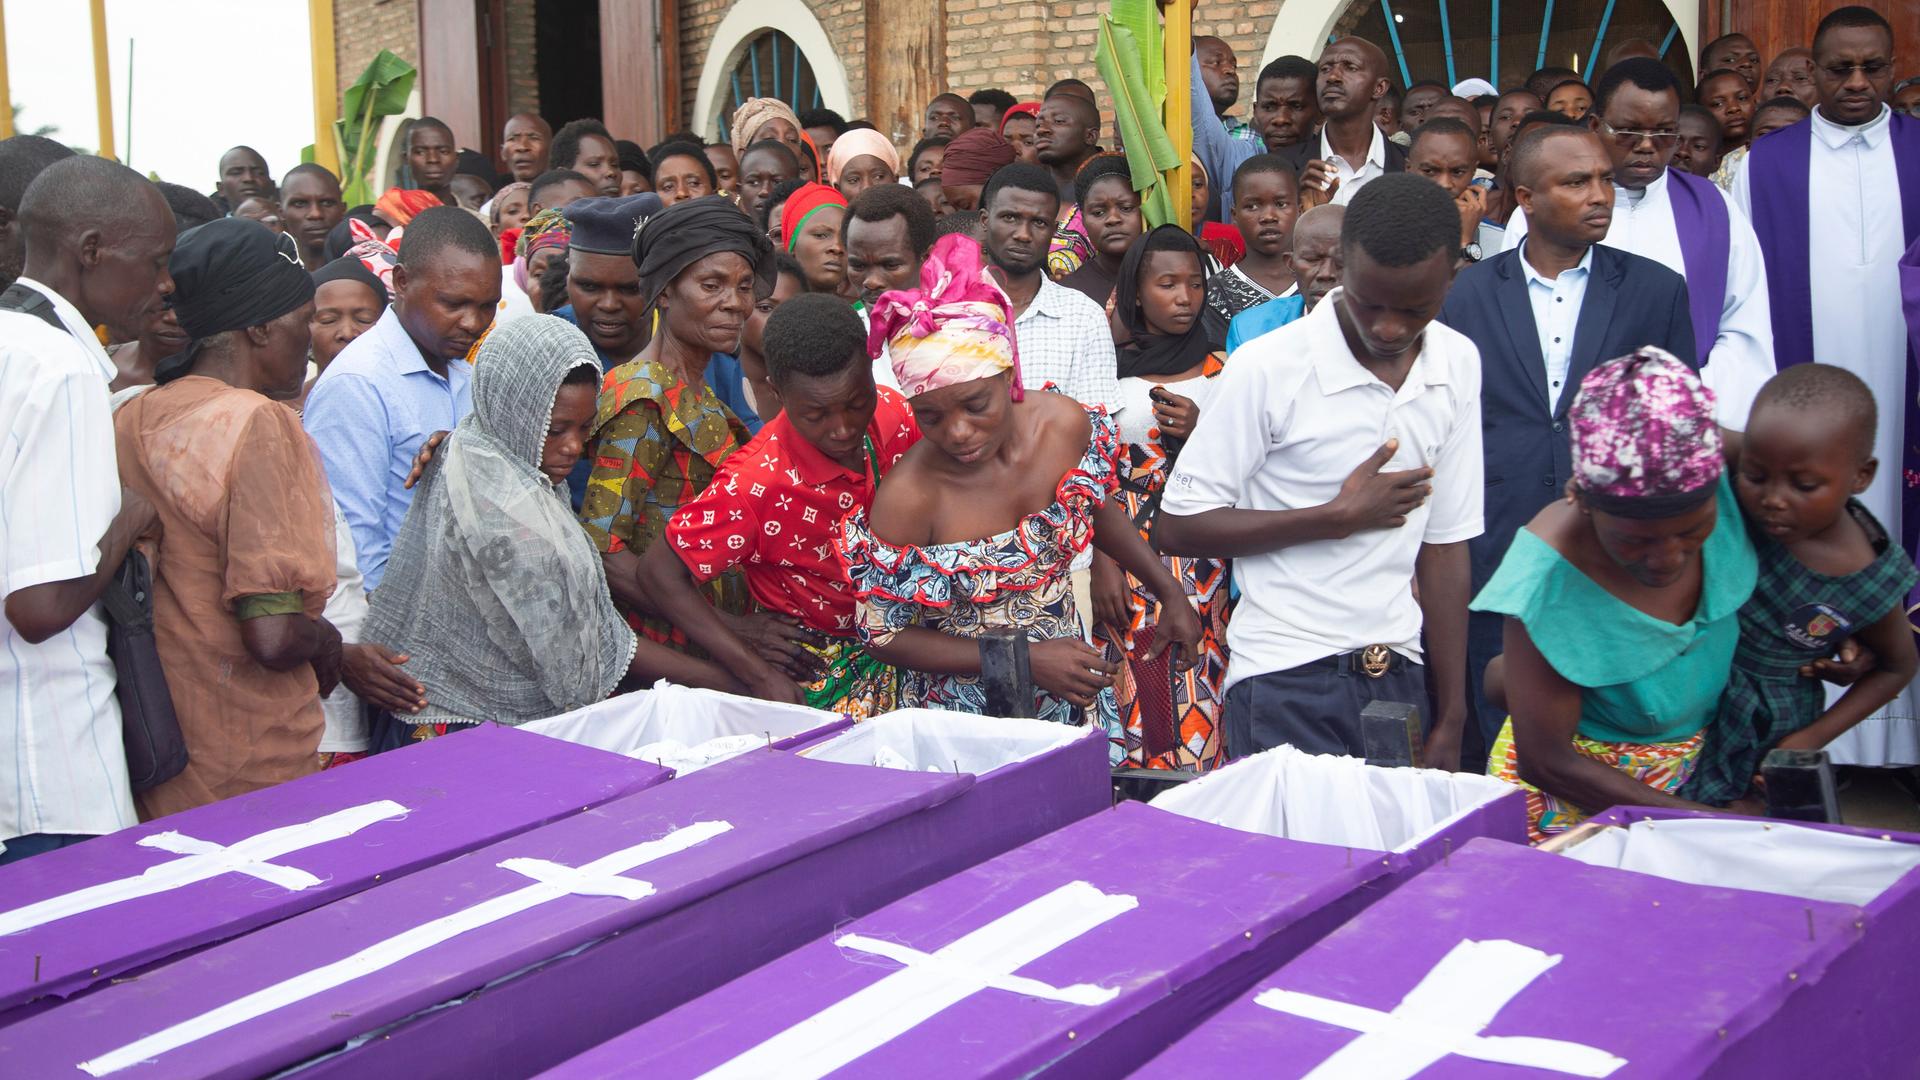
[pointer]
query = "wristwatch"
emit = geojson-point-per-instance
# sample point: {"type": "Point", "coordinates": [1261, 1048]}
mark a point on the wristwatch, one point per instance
{"type": "Point", "coordinates": [1471, 252]}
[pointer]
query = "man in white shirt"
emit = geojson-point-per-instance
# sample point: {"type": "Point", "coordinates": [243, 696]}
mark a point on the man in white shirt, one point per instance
{"type": "Point", "coordinates": [1353, 149]}
{"type": "Point", "coordinates": [97, 237]}
{"type": "Point", "coordinates": [1835, 201]}
{"type": "Point", "coordinates": [1063, 337]}
{"type": "Point", "coordinates": [1685, 224]}
{"type": "Point", "coordinates": [1339, 464]}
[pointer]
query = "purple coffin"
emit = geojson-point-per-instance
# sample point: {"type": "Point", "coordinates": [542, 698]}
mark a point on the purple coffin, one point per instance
{"type": "Point", "coordinates": [378, 819]}
{"type": "Point", "coordinates": [1405, 819]}
{"type": "Point", "coordinates": [642, 904]}
{"type": "Point", "coordinates": [1506, 960]}
{"type": "Point", "coordinates": [1080, 954]}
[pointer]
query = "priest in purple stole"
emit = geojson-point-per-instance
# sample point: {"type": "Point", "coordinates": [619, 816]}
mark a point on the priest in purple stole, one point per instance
{"type": "Point", "coordinates": [1683, 222]}
{"type": "Point", "coordinates": [1850, 176]}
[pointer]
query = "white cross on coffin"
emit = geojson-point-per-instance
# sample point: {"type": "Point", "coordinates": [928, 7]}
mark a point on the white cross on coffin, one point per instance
{"type": "Point", "coordinates": [1443, 1016]}
{"type": "Point", "coordinates": [551, 881]}
{"type": "Point", "coordinates": [928, 983]}
{"type": "Point", "coordinates": [204, 859]}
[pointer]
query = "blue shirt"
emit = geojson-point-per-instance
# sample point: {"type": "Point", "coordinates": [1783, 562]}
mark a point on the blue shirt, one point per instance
{"type": "Point", "coordinates": [724, 374]}
{"type": "Point", "coordinates": [1556, 311]}
{"type": "Point", "coordinates": [368, 414]}
{"type": "Point", "coordinates": [1261, 318]}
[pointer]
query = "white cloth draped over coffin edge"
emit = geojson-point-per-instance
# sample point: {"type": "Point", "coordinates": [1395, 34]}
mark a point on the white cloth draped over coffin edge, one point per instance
{"type": "Point", "coordinates": [1764, 856]}
{"type": "Point", "coordinates": [935, 740]}
{"type": "Point", "coordinates": [681, 727]}
{"type": "Point", "coordinates": [1329, 799]}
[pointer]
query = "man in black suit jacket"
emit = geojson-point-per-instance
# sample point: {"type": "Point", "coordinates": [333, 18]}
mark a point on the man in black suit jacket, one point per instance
{"type": "Point", "coordinates": [1544, 315]}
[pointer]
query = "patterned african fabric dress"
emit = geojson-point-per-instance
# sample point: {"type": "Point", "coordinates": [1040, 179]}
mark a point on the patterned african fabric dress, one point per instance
{"type": "Point", "coordinates": [1016, 579]}
{"type": "Point", "coordinates": [657, 443]}
{"type": "Point", "coordinates": [1796, 616]}
{"type": "Point", "coordinates": [1070, 247]}
{"type": "Point", "coordinates": [1169, 719]}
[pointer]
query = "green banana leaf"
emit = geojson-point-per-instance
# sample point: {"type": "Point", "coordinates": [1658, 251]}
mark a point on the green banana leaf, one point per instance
{"type": "Point", "coordinates": [1150, 153]}
{"type": "Point", "coordinates": [1141, 18]}
{"type": "Point", "coordinates": [380, 91]}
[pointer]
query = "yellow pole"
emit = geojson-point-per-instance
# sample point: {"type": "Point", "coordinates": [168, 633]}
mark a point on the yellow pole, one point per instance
{"type": "Point", "coordinates": [325, 87]}
{"type": "Point", "coordinates": [1175, 115]}
{"type": "Point", "coordinates": [102, 84]}
{"type": "Point", "coordinates": [6, 91]}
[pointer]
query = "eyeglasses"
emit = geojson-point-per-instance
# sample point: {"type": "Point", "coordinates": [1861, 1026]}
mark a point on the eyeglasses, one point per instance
{"type": "Point", "coordinates": [1872, 69]}
{"type": "Point", "coordinates": [1627, 140]}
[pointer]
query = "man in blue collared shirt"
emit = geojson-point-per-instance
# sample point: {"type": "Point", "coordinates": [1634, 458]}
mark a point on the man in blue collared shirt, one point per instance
{"type": "Point", "coordinates": [406, 378]}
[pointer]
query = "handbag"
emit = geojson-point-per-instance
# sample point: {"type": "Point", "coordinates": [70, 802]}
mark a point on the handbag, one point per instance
{"type": "Point", "coordinates": [156, 750]}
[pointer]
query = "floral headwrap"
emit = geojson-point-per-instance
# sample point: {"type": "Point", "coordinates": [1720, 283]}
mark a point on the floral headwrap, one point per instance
{"type": "Point", "coordinates": [374, 253]}
{"type": "Point", "coordinates": [956, 327]}
{"type": "Point", "coordinates": [548, 228]}
{"type": "Point", "coordinates": [1645, 444]}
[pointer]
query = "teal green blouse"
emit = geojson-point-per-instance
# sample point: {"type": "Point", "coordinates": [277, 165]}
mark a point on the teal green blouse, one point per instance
{"type": "Point", "coordinates": [1641, 679]}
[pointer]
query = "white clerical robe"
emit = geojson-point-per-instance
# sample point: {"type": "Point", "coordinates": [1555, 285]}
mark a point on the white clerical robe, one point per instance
{"type": "Point", "coordinates": [1742, 357]}
{"type": "Point", "coordinates": [1857, 324]}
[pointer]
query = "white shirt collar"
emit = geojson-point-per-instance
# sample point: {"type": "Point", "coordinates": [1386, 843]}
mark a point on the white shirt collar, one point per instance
{"type": "Point", "coordinates": [1655, 190]}
{"type": "Point", "coordinates": [76, 325]}
{"type": "Point", "coordinates": [1337, 369]}
{"type": "Point", "coordinates": [1874, 131]}
{"type": "Point", "coordinates": [1585, 266]}
{"type": "Point", "coordinates": [1376, 151]}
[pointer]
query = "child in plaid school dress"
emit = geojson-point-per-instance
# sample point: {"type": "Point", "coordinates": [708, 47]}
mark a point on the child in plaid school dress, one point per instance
{"type": "Point", "coordinates": [1828, 572]}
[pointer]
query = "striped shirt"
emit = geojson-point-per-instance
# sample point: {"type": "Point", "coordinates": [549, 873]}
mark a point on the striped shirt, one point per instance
{"type": "Point", "coordinates": [63, 768]}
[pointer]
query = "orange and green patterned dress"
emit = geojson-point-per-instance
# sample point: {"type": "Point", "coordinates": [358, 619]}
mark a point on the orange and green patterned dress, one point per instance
{"type": "Point", "coordinates": [657, 443]}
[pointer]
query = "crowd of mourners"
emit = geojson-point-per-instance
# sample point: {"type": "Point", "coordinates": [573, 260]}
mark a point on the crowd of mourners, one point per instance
{"type": "Point", "coordinates": [1577, 413]}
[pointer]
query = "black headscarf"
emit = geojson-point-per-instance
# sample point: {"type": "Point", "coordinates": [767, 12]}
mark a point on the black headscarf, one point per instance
{"type": "Point", "coordinates": [1150, 352]}
{"type": "Point", "coordinates": [686, 232]}
{"type": "Point", "coordinates": [228, 275]}
{"type": "Point", "coordinates": [349, 268]}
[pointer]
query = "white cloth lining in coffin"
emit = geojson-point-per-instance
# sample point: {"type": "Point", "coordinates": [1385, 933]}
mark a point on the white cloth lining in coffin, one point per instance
{"type": "Point", "coordinates": [1326, 799]}
{"type": "Point", "coordinates": [935, 740]}
{"type": "Point", "coordinates": [680, 727]}
{"type": "Point", "coordinates": [1771, 857]}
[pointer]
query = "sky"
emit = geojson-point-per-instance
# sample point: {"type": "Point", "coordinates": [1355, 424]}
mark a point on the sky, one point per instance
{"type": "Point", "coordinates": [207, 74]}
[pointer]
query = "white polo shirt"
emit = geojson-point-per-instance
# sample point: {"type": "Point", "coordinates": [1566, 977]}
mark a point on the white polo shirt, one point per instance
{"type": "Point", "coordinates": [1292, 418]}
{"type": "Point", "coordinates": [63, 768]}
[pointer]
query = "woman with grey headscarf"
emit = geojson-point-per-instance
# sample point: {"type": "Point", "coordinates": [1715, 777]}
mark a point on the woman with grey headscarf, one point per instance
{"type": "Point", "coordinates": [493, 589]}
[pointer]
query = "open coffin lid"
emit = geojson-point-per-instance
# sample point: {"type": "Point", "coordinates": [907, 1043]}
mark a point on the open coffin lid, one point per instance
{"type": "Point", "coordinates": [74, 917]}
{"type": "Point", "coordinates": [1567, 964]}
{"type": "Point", "coordinates": [515, 957]}
{"type": "Point", "coordinates": [685, 729]}
{"type": "Point", "coordinates": [1080, 954]}
{"type": "Point", "coordinates": [1411, 816]}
